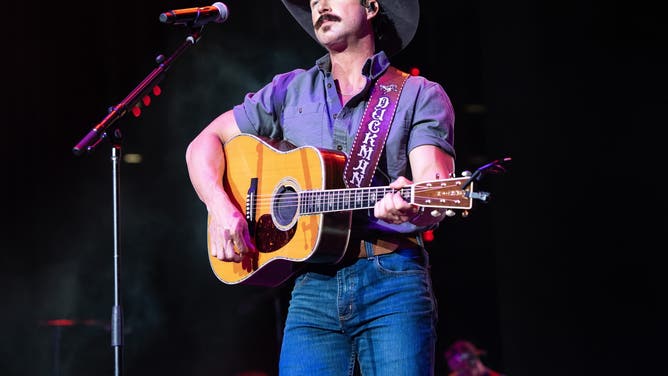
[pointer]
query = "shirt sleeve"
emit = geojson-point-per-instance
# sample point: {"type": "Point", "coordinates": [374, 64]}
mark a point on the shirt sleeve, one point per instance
{"type": "Point", "coordinates": [433, 119]}
{"type": "Point", "coordinates": [259, 113]}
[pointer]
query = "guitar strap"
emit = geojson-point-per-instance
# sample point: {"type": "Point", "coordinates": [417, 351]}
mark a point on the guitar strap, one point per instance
{"type": "Point", "coordinates": [373, 129]}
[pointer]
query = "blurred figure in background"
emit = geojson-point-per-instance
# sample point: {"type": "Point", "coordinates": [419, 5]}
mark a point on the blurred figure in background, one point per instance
{"type": "Point", "coordinates": [464, 360]}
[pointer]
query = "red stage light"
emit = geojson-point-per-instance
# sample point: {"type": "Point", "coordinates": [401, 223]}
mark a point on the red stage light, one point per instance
{"type": "Point", "coordinates": [60, 322]}
{"type": "Point", "coordinates": [428, 235]}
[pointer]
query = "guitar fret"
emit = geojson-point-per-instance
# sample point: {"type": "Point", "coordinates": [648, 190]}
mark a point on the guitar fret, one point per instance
{"type": "Point", "coordinates": [406, 194]}
{"type": "Point", "coordinates": [338, 200]}
{"type": "Point", "coordinates": [330, 200]}
{"type": "Point", "coordinates": [310, 208]}
{"type": "Point", "coordinates": [311, 202]}
{"type": "Point", "coordinates": [314, 202]}
{"type": "Point", "coordinates": [373, 197]}
{"type": "Point", "coordinates": [303, 198]}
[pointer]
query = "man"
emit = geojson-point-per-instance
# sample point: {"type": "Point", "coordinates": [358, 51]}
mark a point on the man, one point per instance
{"type": "Point", "coordinates": [377, 307]}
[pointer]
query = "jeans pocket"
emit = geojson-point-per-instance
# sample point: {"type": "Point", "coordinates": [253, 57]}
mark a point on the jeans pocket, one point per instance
{"type": "Point", "coordinates": [408, 261]}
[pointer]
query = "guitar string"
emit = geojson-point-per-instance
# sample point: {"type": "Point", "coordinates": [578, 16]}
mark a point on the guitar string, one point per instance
{"type": "Point", "coordinates": [294, 199]}
{"type": "Point", "coordinates": [335, 192]}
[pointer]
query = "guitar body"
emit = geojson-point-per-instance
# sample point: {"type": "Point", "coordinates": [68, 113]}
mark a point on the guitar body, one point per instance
{"type": "Point", "coordinates": [263, 180]}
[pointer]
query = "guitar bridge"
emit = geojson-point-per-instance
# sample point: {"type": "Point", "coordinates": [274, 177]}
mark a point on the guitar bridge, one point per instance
{"type": "Point", "coordinates": [251, 206]}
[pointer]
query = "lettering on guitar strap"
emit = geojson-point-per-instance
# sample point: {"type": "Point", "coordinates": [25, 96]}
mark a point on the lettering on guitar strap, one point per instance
{"type": "Point", "coordinates": [369, 141]}
{"type": "Point", "coordinates": [375, 125]}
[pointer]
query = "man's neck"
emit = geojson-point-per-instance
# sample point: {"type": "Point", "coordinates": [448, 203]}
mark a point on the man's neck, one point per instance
{"type": "Point", "coordinates": [347, 70]}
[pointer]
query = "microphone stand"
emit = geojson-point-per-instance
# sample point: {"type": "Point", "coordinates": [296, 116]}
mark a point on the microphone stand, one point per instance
{"type": "Point", "coordinates": [107, 130]}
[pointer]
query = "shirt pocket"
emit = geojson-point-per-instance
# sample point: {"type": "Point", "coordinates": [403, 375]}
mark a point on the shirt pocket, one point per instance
{"type": "Point", "coordinates": [301, 111]}
{"type": "Point", "coordinates": [303, 124]}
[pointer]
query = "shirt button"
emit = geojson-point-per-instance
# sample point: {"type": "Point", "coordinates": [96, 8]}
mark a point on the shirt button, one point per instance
{"type": "Point", "coordinates": [329, 85]}
{"type": "Point", "coordinates": [339, 147]}
{"type": "Point", "coordinates": [300, 110]}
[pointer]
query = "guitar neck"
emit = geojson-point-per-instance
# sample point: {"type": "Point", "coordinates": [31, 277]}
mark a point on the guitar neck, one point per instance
{"type": "Point", "coordinates": [453, 193]}
{"type": "Point", "coordinates": [334, 200]}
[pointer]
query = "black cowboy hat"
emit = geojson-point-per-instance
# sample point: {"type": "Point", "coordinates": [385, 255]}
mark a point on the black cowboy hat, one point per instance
{"type": "Point", "coordinates": [395, 28]}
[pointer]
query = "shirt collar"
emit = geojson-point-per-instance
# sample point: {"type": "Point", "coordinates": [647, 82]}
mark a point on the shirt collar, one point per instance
{"type": "Point", "coordinates": [373, 68]}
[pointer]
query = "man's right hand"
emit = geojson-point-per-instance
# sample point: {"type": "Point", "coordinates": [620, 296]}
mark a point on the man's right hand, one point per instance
{"type": "Point", "coordinates": [229, 238]}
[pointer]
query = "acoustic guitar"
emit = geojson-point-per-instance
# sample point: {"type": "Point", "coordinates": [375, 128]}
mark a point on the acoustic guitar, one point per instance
{"type": "Point", "coordinates": [299, 210]}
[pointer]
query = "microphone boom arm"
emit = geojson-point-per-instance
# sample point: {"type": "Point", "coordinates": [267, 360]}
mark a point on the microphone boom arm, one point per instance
{"type": "Point", "coordinates": [98, 133]}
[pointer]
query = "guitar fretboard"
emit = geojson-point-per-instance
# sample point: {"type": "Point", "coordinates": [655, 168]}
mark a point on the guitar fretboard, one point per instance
{"type": "Point", "coordinates": [311, 202]}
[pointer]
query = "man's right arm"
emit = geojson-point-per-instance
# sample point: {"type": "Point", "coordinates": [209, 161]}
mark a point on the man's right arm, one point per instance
{"type": "Point", "coordinates": [205, 159]}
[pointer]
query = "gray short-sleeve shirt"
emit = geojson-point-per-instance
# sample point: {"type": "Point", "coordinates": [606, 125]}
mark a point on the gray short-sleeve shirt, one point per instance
{"type": "Point", "coordinates": [303, 107]}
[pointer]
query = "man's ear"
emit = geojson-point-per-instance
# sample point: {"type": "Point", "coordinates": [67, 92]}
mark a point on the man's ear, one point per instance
{"type": "Point", "coordinates": [372, 6]}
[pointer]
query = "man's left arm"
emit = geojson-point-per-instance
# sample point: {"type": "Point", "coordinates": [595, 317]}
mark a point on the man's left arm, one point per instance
{"type": "Point", "coordinates": [428, 162]}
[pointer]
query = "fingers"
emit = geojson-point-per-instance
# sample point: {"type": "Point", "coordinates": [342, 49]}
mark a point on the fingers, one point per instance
{"type": "Point", "coordinates": [394, 209]}
{"type": "Point", "coordinates": [227, 245]}
{"type": "Point", "coordinates": [400, 182]}
{"type": "Point", "coordinates": [228, 249]}
{"type": "Point", "coordinates": [241, 244]}
{"type": "Point", "coordinates": [229, 237]}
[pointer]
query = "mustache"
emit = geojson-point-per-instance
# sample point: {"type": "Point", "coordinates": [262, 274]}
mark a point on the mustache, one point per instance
{"type": "Point", "coordinates": [326, 17]}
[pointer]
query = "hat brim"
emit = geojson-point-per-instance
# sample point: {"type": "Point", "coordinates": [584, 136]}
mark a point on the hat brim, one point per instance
{"type": "Point", "coordinates": [404, 16]}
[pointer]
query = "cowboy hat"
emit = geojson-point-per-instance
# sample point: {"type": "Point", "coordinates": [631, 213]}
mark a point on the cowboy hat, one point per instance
{"type": "Point", "coordinates": [392, 36]}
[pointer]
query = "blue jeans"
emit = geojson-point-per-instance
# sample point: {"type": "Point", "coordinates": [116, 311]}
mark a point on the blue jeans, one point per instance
{"type": "Point", "coordinates": [380, 310]}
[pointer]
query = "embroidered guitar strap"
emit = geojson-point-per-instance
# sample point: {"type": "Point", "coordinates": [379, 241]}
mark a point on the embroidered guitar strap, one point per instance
{"type": "Point", "coordinates": [372, 132]}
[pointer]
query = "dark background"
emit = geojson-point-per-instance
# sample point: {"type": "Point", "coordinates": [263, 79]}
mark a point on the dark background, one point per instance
{"type": "Point", "coordinates": [559, 274]}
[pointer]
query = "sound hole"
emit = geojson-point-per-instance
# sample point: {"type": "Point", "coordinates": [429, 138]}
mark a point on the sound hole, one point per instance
{"type": "Point", "coordinates": [284, 207]}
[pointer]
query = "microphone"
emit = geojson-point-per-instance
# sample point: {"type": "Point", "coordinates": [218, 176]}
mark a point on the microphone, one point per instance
{"type": "Point", "coordinates": [196, 17]}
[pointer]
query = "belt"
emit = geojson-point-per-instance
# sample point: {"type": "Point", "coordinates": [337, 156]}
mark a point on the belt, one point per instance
{"type": "Point", "coordinates": [388, 245]}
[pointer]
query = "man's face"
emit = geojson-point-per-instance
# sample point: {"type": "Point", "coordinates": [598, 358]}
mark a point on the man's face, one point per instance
{"type": "Point", "coordinates": [338, 22]}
